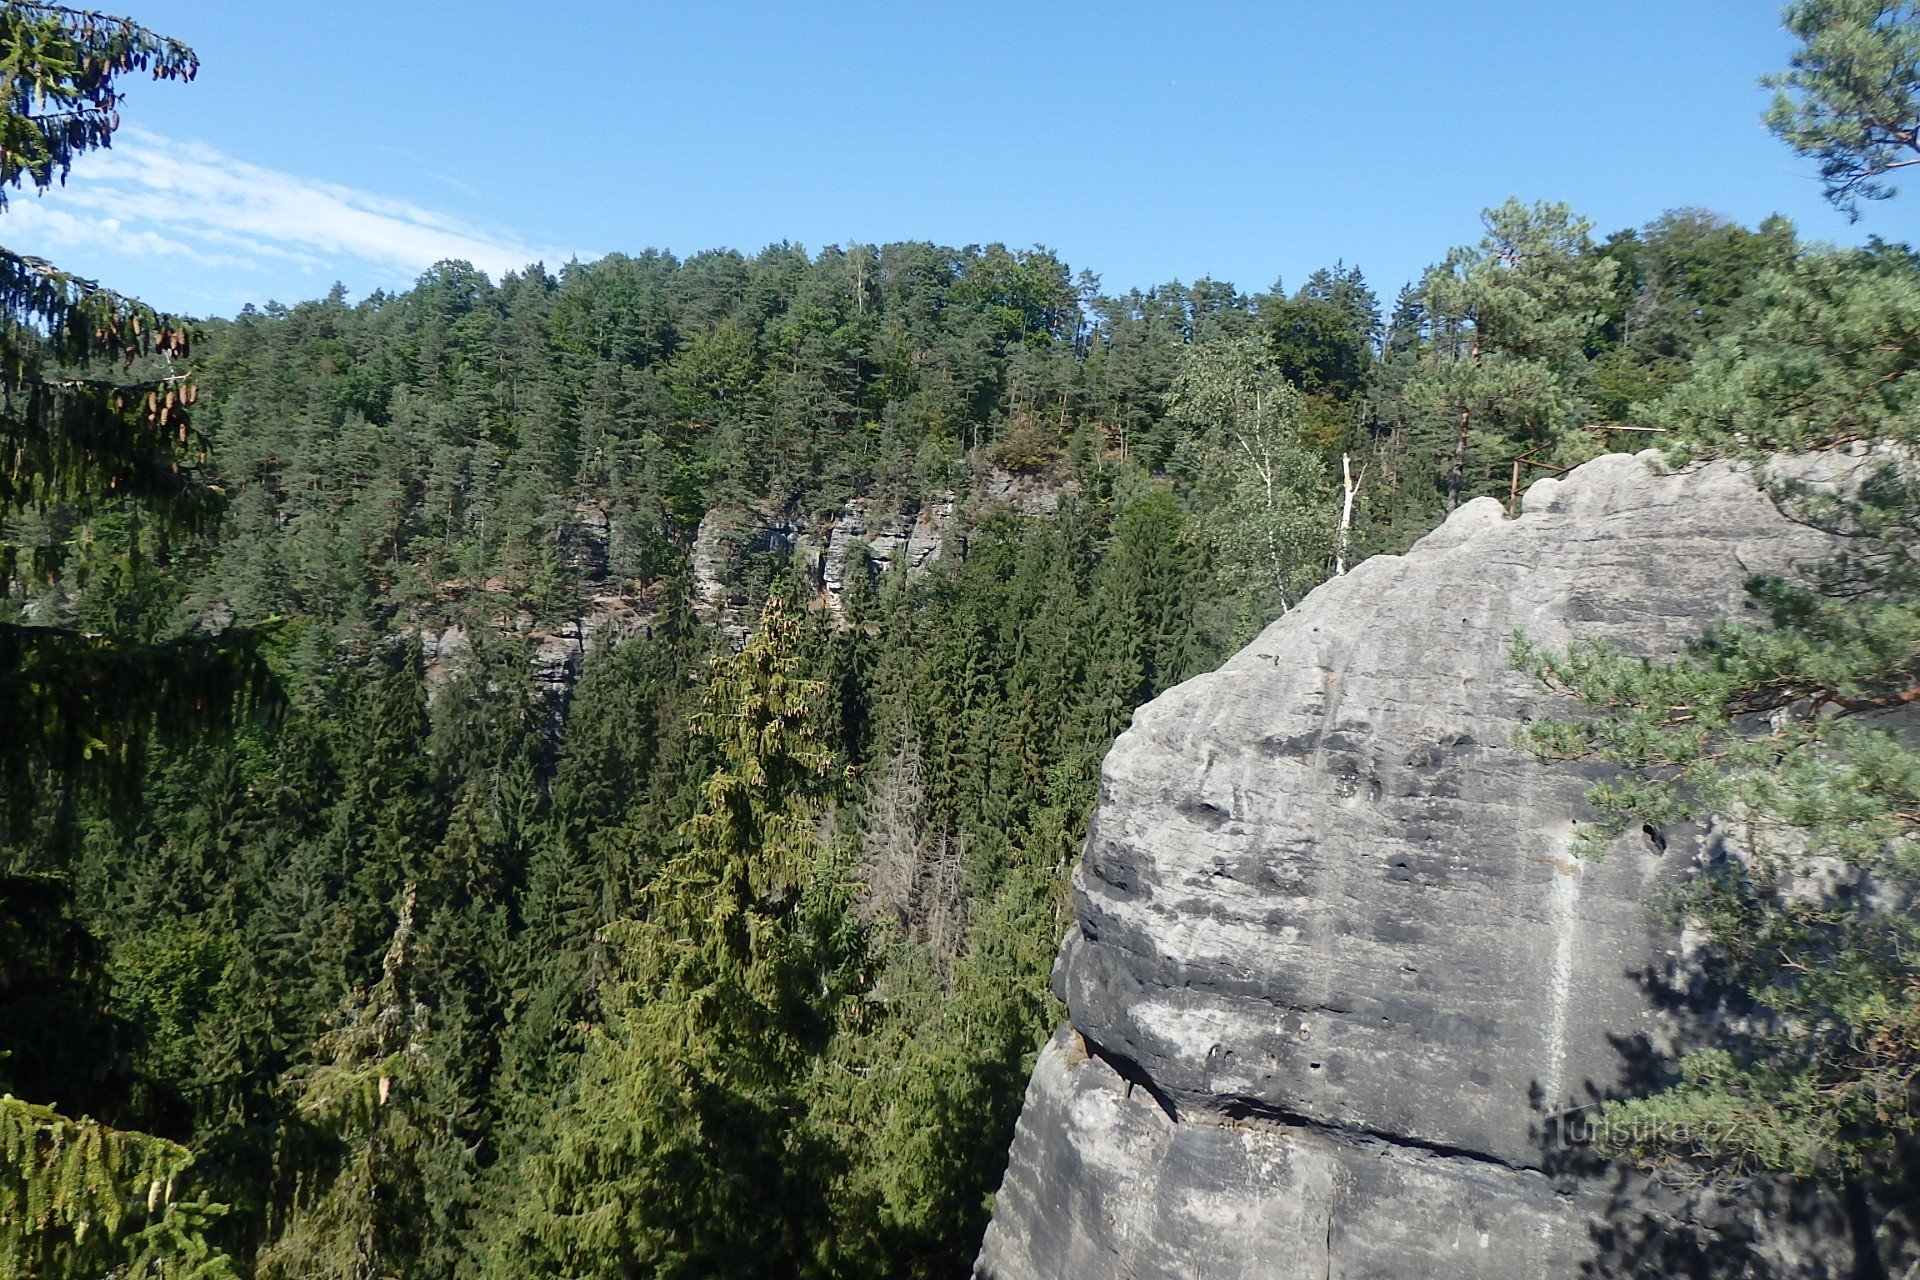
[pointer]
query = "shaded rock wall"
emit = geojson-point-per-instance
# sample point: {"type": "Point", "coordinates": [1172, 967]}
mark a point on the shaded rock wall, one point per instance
{"type": "Point", "coordinates": [1336, 975]}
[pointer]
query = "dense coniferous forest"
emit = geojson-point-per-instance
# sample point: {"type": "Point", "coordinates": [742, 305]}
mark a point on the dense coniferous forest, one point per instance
{"type": "Point", "coordinates": [724, 949]}
{"type": "Point", "coordinates": [388, 961]}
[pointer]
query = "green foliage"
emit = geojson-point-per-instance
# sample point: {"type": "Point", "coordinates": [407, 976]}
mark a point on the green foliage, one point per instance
{"type": "Point", "coordinates": [1272, 510]}
{"type": "Point", "coordinates": [433, 875]}
{"type": "Point", "coordinates": [687, 1152]}
{"type": "Point", "coordinates": [1512, 318]}
{"type": "Point", "coordinates": [82, 436]}
{"type": "Point", "coordinates": [1778, 734]}
{"type": "Point", "coordinates": [1826, 357]}
{"type": "Point", "coordinates": [1680, 281]}
{"type": "Point", "coordinates": [1024, 296]}
{"type": "Point", "coordinates": [1317, 346]}
{"type": "Point", "coordinates": [1852, 98]}
{"type": "Point", "coordinates": [1784, 737]}
{"type": "Point", "coordinates": [1532, 289]}
{"type": "Point", "coordinates": [377, 1122]}
{"type": "Point", "coordinates": [78, 432]}
{"type": "Point", "coordinates": [448, 973]}
{"type": "Point", "coordinates": [172, 981]}
{"type": "Point", "coordinates": [57, 72]}
{"type": "Point", "coordinates": [80, 700]}
{"type": "Point", "coordinates": [78, 1198]}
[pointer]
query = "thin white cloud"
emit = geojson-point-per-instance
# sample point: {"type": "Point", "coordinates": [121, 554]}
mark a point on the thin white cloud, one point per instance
{"type": "Point", "coordinates": [55, 230]}
{"type": "Point", "coordinates": [156, 198]}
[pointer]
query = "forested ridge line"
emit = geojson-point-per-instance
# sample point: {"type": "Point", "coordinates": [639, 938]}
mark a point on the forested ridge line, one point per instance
{"type": "Point", "coordinates": [374, 961]}
{"type": "Point", "coordinates": [332, 949]}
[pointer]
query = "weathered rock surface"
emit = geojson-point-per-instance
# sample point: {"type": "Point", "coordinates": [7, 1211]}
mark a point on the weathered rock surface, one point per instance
{"type": "Point", "coordinates": [555, 653]}
{"type": "Point", "coordinates": [913, 536]}
{"type": "Point", "coordinates": [728, 539]}
{"type": "Point", "coordinates": [1336, 970]}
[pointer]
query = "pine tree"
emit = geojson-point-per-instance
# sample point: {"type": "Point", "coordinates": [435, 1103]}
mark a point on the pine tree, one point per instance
{"type": "Point", "coordinates": [1852, 97]}
{"type": "Point", "coordinates": [1778, 733]}
{"type": "Point", "coordinates": [1509, 322]}
{"type": "Point", "coordinates": [1827, 352]}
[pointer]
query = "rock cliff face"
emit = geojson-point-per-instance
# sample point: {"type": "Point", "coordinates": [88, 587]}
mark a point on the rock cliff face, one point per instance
{"type": "Point", "coordinates": [1336, 977]}
{"type": "Point", "coordinates": [732, 555]}
{"type": "Point", "coordinates": [913, 534]}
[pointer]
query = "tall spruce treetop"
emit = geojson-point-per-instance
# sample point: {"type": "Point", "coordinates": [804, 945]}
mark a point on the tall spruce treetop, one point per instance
{"type": "Point", "coordinates": [1852, 97]}
{"type": "Point", "coordinates": [93, 413]}
{"type": "Point", "coordinates": [686, 1152]}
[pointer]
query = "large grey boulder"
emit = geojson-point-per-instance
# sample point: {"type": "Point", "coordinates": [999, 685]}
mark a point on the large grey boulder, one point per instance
{"type": "Point", "coordinates": [1337, 974]}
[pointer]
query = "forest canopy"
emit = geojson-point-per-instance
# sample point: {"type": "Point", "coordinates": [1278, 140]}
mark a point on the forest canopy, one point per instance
{"type": "Point", "coordinates": [633, 720]}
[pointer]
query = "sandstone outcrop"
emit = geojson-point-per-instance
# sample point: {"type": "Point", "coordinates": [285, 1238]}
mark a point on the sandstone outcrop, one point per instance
{"type": "Point", "coordinates": [1338, 985]}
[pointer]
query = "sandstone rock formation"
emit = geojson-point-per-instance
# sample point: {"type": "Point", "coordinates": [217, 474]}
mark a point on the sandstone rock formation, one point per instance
{"type": "Point", "coordinates": [733, 553]}
{"type": "Point", "coordinates": [911, 534]}
{"type": "Point", "coordinates": [726, 539]}
{"type": "Point", "coordinates": [1336, 975]}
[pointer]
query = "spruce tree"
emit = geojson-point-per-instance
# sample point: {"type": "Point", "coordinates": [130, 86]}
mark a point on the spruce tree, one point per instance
{"type": "Point", "coordinates": [93, 413]}
{"type": "Point", "coordinates": [686, 1150]}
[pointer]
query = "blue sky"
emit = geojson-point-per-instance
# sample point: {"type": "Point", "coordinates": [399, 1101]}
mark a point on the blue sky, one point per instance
{"type": "Point", "coordinates": [1248, 141]}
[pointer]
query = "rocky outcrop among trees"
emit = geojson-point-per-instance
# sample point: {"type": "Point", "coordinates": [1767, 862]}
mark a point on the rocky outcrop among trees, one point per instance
{"type": "Point", "coordinates": [1341, 991]}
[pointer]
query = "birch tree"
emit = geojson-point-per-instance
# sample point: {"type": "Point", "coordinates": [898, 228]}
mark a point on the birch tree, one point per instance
{"type": "Point", "coordinates": [1272, 528]}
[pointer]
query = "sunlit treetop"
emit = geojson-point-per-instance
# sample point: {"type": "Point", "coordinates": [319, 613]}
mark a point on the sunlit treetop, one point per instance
{"type": "Point", "coordinates": [1851, 99]}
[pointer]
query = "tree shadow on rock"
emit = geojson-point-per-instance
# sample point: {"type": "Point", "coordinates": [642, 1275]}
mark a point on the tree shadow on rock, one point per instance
{"type": "Point", "coordinates": [1684, 1223]}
